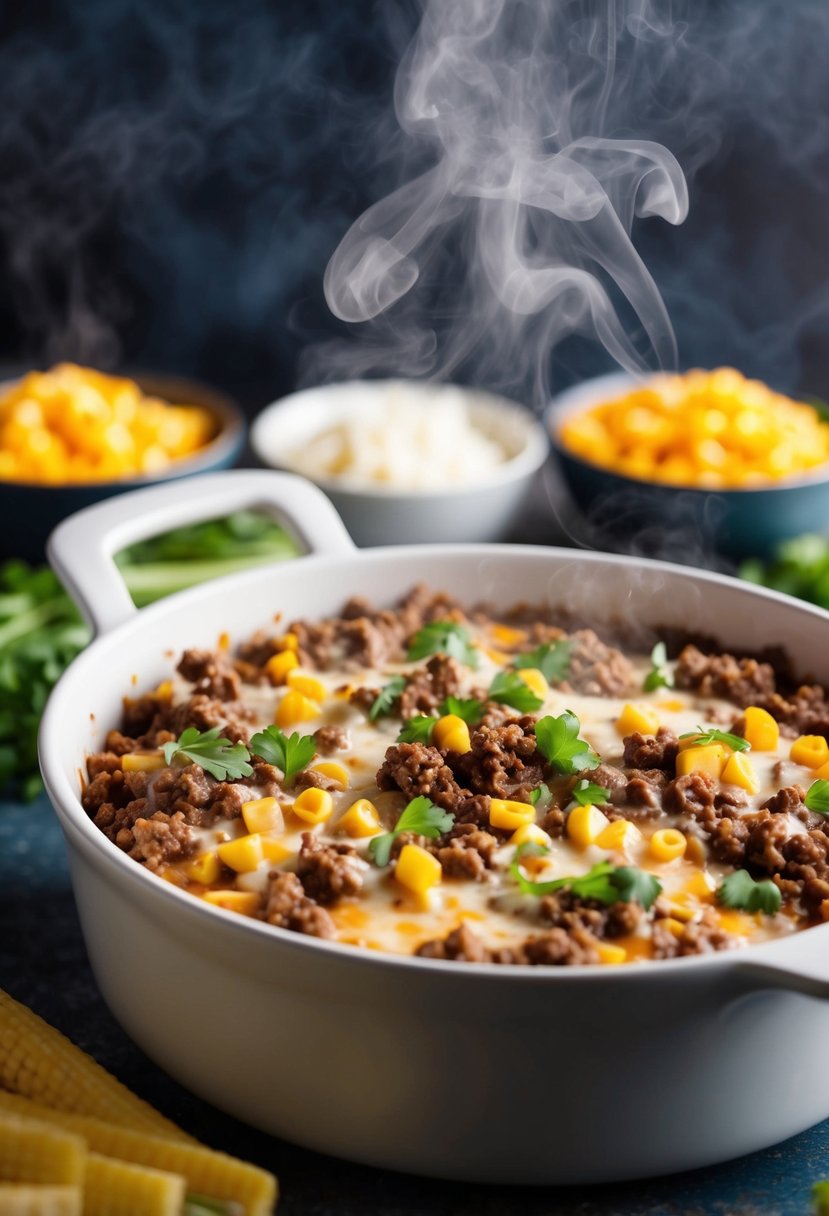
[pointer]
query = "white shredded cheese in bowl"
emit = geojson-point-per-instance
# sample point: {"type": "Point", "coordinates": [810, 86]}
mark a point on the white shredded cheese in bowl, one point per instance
{"type": "Point", "coordinates": [410, 438]}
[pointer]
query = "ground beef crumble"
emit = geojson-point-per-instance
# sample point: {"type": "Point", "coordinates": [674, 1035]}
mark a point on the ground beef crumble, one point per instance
{"type": "Point", "coordinates": [155, 817]}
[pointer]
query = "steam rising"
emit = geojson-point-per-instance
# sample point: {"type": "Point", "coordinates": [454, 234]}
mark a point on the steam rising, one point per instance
{"type": "Point", "coordinates": [509, 101]}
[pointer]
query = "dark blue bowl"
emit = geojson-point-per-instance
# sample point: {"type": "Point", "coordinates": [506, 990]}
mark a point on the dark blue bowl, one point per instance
{"type": "Point", "coordinates": [30, 512]}
{"type": "Point", "coordinates": [630, 513]}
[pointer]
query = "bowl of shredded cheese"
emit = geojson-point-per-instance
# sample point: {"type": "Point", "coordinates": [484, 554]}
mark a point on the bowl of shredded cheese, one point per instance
{"type": "Point", "coordinates": [726, 461]}
{"type": "Point", "coordinates": [408, 461]}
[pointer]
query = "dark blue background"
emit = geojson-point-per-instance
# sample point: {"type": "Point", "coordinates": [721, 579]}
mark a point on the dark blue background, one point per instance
{"type": "Point", "coordinates": [174, 177]}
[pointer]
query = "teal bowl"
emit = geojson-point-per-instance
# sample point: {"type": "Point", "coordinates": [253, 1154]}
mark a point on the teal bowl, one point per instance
{"type": "Point", "coordinates": [631, 514]}
{"type": "Point", "coordinates": [29, 512]}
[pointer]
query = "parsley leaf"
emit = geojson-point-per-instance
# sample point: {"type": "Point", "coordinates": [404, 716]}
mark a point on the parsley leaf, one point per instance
{"type": "Point", "coordinates": [509, 689]}
{"type": "Point", "coordinates": [585, 793]}
{"type": "Point", "coordinates": [659, 676]}
{"type": "Point", "coordinates": [417, 730]}
{"type": "Point", "coordinates": [219, 757]}
{"type": "Point", "coordinates": [817, 797]}
{"type": "Point", "coordinates": [741, 891]}
{"type": "Point", "coordinates": [444, 637]}
{"type": "Point", "coordinates": [605, 883]}
{"type": "Point", "coordinates": [290, 753]}
{"type": "Point", "coordinates": [386, 698]}
{"type": "Point", "coordinates": [559, 743]}
{"type": "Point", "coordinates": [709, 734]}
{"type": "Point", "coordinates": [552, 659]}
{"type": "Point", "coordinates": [541, 797]}
{"type": "Point", "coordinates": [421, 817]}
{"type": "Point", "coordinates": [469, 710]}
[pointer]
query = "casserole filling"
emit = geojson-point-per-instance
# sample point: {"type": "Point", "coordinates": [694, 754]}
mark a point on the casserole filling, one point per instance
{"type": "Point", "coordinates": [478, 787]}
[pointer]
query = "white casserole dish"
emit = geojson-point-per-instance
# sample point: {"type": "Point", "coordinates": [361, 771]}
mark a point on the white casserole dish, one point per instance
{"type": "Point", "coordinates": [475, 1072]}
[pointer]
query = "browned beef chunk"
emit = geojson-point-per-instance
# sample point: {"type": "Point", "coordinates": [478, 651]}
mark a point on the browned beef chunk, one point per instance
{"type": "Point", "coordinates": [743, 681]}
{"type": "Point", "coordinates": [212, 673]}
{"type": "Point", "coordinates": [289, 907]}
{"type": "Point", "coordinates": [597, 669]}
{"type": "Point", "coordinates": [652, 751]}
{"type": "Point", "coordinates": [162, 838]}
{"type": "Point", "coordinates": [328, 871]}
{"type": "Point", "coordinates": [502, 760]}
{"type": "Point", "coordinates": [330, 739]}
{"type": "Point", "coordinates": [428, 687]}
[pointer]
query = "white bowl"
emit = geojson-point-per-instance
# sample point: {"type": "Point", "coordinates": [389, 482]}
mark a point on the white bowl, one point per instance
{"type": "Point", "coordinates": [383, 515]}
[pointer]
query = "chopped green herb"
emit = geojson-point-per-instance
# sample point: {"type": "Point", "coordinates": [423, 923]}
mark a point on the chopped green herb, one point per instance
{"type": "Point", "coordinates": [418, 729]}
{"type": "Point", "coordinates": [820, 1199]}
{"type": "Point", "coordinates": [290, 753]}
{"type": "Point", "coordinates": [202, 1205]}
{"type": "Point", "coordinates": [559, 743]}
{"type": "Point", "coordinates": [552, 659]}
{"type": "Point", "coordinates": [444, 637]}
{"type": "Point", "coordinates": [709, 734]}
{"type": "Point", "coordinates": [509, 689]}
{"type": "Point", "coordinates": [741, 891]}
{"type": "Point", "coordinates": [386, 698]}
{"type": "Point", "coordinates": [817, 797]}
{"type": "Point", "coordinates": [660, 675]}
{"type": "Point", "coordinates": [541, 797]}
{"type": "Point", "coordinates": [219, 757]}
{"type": "Point", "coordinates": [469, 710]}
{"type": "Point", "coordinates": [585, 793]}
{"type": "Point", "coordinates": [421, 817]}
{"type": "Point", "coordinates": [605, 883]}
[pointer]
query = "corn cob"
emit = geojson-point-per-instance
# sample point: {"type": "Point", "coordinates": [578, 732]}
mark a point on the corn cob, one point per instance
{"type": "Point", "coordinates": [32, 1151]}
{"type": "Point", "coordinates": [206, 1172]}
{"type": "Point", "coordinates": [116, 1188]}
{"type": "Point", "coordinates": [17, 1199]}
{"type": "Point", "coordinates": [38, 1061]}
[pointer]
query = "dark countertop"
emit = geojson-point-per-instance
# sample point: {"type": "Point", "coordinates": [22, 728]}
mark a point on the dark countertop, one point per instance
{"type": "Point", "coordinates": [44, 964]}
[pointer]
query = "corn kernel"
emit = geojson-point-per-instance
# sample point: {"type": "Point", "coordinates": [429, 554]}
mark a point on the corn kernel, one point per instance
{"type": "Point", "coordinates": [585, 823]}
{"type": "Point", "coordinates": [246, 903]}
{"type": "Point", "coordinates": [610, 954]}
{"type": "Point", "coordinates": [740, 771]}
{"type": "Point", "coordinates": [497, 656]}
{"type": "Point", "coordinates": [309, 686]}
{"type": "Point", "coordinates": [667, 844]}
{"type": "Point", "coordinates": [504, 813]}
{"type": "Point", "coordinates": [295, 707]}
{"type": "Point", "coordinates": [736, 922]}
{"type": "Point", "coordinates": [417, 869]}
{"type": "Point", "coordinates": [452, 734]}
{"type": "Point", "coordinates": [137, 762]}
{"type": "Point", "coordinates": [274, 851]}
{"type": "Point", "coordinates": [361, 819]}
{"type": "Point", "coordinates": [620, 834]}
{"type": "Point", "coordinates": [164, 690]}
{"type": "Point", "coordinates": [334, 771]}
{"type": "Point", "coordinates": [531, 833]}
{"type": "Point", "coordinates": [701, 886]}
{"type": "Point", "coordinates": [635, 718]}
{"type": "Point", "coordinates": [810, 750]}
{"type": "Point", "coordinates": [204, 869]}
{"type": "Point", "coordinates": [709, 759]}
{"type": "Point", "coordinates": [278, 666]}
{"type": "Point", "coordinates": [243, 854]}
{"type": "Point", "coordinates": [262, 815]}
{"type": "Point", "coordinates": [535, 681]}
{"type": "Point", "coordinates": [313, 805]}
{"type": "Point", "coordinates": [674, 926]}
{"type": "Point", "coordinates": [288, 641]}
{"type": "Point", "coordinates": [505, 635]}
{"type": "Point", "coordinates": [761, 730]}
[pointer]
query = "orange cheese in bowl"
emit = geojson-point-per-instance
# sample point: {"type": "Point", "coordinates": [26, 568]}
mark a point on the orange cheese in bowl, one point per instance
{"type": "Point", "coordinates": [711, 430]}
{"type": "Point", "coordinates": [73, 424]}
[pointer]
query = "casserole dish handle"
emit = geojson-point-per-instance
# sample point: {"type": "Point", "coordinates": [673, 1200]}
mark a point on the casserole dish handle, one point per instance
{"type": "Point", "coordinates": [772, 977]}
{"type": "Point", "coordinates": [82, 549]}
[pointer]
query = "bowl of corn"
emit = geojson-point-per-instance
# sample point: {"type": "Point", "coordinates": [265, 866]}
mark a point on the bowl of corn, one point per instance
{"type": "Point", "coordinates": [72, 435]}
{"type": "Point", "coordinates": [726, 462]}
